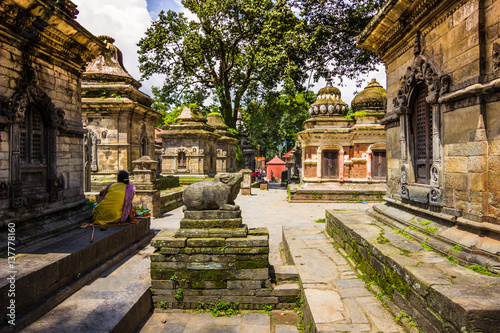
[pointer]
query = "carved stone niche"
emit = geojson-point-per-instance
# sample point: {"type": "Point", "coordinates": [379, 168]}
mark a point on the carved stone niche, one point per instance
{"type": "Point", "coordinates": [422, 71]}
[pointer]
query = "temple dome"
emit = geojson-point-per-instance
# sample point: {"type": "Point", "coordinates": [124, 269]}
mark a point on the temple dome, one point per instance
{"type": "Point", "coordinates": [109, 65]}
{"type": "Point", "coordinates": [328, 103]}
{"type": "Point", "coordinates": [372, 98]}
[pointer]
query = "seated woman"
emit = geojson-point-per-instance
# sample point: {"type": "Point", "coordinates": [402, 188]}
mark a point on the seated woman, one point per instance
{"type": "Point", "coordinates": [115, 206]}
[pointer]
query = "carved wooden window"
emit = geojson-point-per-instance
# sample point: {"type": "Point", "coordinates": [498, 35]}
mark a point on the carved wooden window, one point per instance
{"type": "Point", "coordinates": [31, 140]}
{"type": "Point", "coordinates": [422, 136]}
{"type": "Point", "coordinates": [330, 165]}
{"type": "Point", "coordinates": [181, 160]}
{"type": "Point", "coordinates": [379, 165]}
{"type": "Point", "coordinates": [33, 152]}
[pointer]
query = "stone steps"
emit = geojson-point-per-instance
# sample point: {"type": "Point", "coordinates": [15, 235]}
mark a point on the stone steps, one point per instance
{"type": "Point", "coordinates": [50, 272]}
{"type": "Point", "coordinates": [335, 299]}
{"type": "Point", "coordinates": [113, 302]}
{"type": "Point", "coordinates": [439, 294]}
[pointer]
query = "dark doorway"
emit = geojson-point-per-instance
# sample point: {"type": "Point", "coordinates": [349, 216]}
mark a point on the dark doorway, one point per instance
{"type": "Point", "coordinates": [379, 165]}
{"type": "Point", "coordinates": [330, 166]}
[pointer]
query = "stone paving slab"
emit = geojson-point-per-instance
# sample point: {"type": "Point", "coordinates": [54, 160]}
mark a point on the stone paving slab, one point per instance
{"type": "Point", "coordinates": [336, 300]}
{"type": "Point", "coordinates": [189, 322]}
{"type": "Point", "coordinates": [112, 302]}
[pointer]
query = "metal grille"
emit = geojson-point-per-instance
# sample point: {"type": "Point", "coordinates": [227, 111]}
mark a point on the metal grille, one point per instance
{"type": "Point", "coordinates": [421, 115]}
{"type": "Point", "coordinates": [23, 151]}
{"type": "Point", "coordinates": [422, 135]}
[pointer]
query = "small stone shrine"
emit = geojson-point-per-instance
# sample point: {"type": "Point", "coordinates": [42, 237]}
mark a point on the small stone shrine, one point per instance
{"type": "Point", "coordinates": [343, 156]}
{"type": "Point", "coordinates": [189, 146]}
{"type": "Point", "coordinates": [226, 144]}
{"type": "Point", "coordinates": [120, 122]}
{"type": "Point", "coordinates": [214, 257]}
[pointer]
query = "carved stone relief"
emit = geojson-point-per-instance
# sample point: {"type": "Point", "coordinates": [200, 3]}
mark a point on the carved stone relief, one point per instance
{"type": "Point", "coordinates": [496, 56]}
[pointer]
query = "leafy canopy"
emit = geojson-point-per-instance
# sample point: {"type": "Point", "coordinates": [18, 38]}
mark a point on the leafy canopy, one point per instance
{"type": "Point", "coordinates": [232, 45]}
{"type": "Point", "coordinates": [335, 25]}
{"type": "Point", "coordinates": [273, 123]}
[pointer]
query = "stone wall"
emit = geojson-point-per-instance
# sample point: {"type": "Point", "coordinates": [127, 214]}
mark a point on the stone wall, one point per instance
{"type": "Point", "coordinates": [41, 159]}
{"type": "Point", "coordinates": [452, 53]}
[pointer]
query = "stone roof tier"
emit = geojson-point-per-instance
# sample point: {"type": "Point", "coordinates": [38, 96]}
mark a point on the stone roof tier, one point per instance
{"type": "Point", "coordinates": [328, 103]}
{"type": "Point", "coordinates": [108, 67]}
{"type": "Point", "coordinates": [372, 98]}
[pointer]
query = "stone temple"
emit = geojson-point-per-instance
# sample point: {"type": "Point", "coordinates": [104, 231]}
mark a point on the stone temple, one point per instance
{"type": "Point", "coordinates": [343, 156]}
{"type": "Point", "coordinates": [120, 122]}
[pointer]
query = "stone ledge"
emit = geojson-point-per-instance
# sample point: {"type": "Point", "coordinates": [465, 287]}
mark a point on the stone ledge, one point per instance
{"type": "Point", "coordinates": [217, 223]}
{"type": "Point", "coordinates": [212, 214]}
{"type": "Point", "coordinates": [212, 233]}
{"type": "Point", "coordinates": [43, 271]}
{"type": "Point", "coordinates": [439, 295]}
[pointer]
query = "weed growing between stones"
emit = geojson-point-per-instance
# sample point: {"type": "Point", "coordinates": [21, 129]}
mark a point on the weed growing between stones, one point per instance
{"type": "Point", "coordinates": [179, 295]}
{"type": "Point", "coordinates": [431, 229]}
{"type": "Point", "coordinates": [425, 246]}
{"type": "Point", "coordinates": [221, 309]}
{"type": "Point", "coordinates": [456, 248]}
{"type": "Point", "coordinates": [320, 220]}
{"type": "Point", "coordinates": [482, 270]}
{"type": "Point", "coordinates": [424, 223]}
{"type": "Point", "coordinates": [267, 309]}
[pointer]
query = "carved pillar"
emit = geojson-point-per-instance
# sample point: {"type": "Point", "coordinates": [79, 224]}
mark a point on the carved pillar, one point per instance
{"type": "Point", "coordinates": [369, 166]}
{"type": "Point", "coordinates": [15, 168]}
{"type": "Point", "coordinates": [94, 142]}
{"type": "Point", "coordinates": [341, 165]}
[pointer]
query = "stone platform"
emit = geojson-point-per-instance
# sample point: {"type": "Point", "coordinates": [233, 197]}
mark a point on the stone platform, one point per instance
{"type": "Point", "coordinates": [434, 290]}
{"type": "Point", "coordinates": [214, 257]}
{"type": "Point", "coordinates": [337, 192]}
{"type": "Point", "coordinates": [41, 272]}
{"type": "Point", "coordinates": [335, 298]}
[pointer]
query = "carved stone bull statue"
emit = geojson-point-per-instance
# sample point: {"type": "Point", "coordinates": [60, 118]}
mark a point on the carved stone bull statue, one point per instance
{"type": "Point", "coordinates": [218, 193]}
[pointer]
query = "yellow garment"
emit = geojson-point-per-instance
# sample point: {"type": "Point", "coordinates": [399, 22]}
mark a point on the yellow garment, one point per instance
{"type": "Point", "coordinates": [110, 209]}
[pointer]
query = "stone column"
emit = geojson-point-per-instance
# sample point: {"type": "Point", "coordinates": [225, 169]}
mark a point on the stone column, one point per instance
{"type": "Point", "coordinates": [147, 193]}
{"type": "Point", "coordinates": [341, 165]}
{"type": "Point", "coordinates": [247, 182]}
{"type": "Point", "coordinates": [369, 166]}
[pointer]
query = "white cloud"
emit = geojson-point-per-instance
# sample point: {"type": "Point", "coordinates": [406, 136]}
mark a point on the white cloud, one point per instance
{"type": "Point", "coordinates": [124, 20]}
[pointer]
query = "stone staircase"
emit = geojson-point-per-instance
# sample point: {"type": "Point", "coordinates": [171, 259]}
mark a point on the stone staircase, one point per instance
{"type": "Point", "coordinates": [335, 298]}
{"type": "Point", "coordinates": [433, 289]}
{"type": "Point", "coordinates": [48, 273]}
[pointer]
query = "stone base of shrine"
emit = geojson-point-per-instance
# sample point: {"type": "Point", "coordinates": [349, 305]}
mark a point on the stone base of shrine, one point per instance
{"type": "Point", "coordinates": [337, 192]}
{"type": "Point", "coordinates": [214, 257]}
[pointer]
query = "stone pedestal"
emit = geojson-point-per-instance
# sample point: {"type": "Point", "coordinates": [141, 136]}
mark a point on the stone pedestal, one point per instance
{"type": "Point", "coordinates": [213, 257]}
{"type": "Point", "coordinates": [247, 182]}
{"type": "Point", "coordinates": [147, 193]}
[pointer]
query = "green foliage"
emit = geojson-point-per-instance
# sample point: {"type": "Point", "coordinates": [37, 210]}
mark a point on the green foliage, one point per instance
{"type": "Point", "coordinates": [482, 270]}
{"type": "Point", "coordinates": [267, 309]}
{"type": "Point", "coordinates": [335, 26]}
{"type": "Point", "coordinates": [425, 246]}
{"type": "Point", "coordinates": [220, 309]}
{"type": "Point", "coordinates": [229, 47]}
{"type": "Point", "coordinates": [173, 278]}
{"type": "Point", "coordinates": [424, 223]}
{"type": "Point", "coordinates": [274, 120]}
{"type": "Point", "coordinates": [320, 220]}
{"type": "Point", "coordinates": [432, 229]}
{"type": "Point", "coordinates": [179, 295]}
{"type": "Point", "coordinates": [233, 132]}
{"type": "Point", "coordinates": [456, 248]}
{"type": "Point", "coordinates": [452, 260]}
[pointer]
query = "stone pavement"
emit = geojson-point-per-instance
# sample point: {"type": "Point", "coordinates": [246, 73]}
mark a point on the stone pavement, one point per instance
{"type": "Point", "coordinates": [177, 321]}
{"type": "Point", "coordinates": [101, 305]}
{"type": "Point", "coordinates": [337, 300]}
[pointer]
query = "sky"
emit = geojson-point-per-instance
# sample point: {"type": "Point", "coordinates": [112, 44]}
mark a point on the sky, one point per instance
{"type": "Point", "coordinates": [127, 21]}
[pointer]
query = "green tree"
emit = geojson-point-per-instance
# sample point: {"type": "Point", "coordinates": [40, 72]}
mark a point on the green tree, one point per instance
{"type": "Point", "coordinates": [231, 46]}
{"type": "Point", "coordinates": [335, 25]}
{"type": "Point", "coordinates": [273, 122]}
